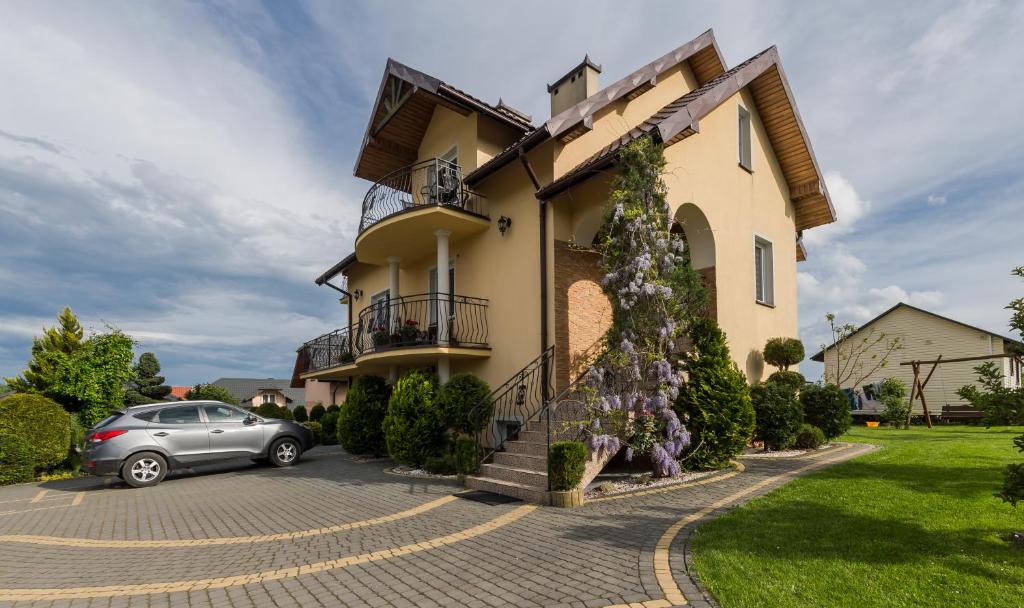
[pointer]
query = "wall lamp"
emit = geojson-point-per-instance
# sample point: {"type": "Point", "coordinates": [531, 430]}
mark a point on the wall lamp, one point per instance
{"type": "Point", "coordinates": [504, 223]}
{"type": "Point", "coordinates": [357, 293]}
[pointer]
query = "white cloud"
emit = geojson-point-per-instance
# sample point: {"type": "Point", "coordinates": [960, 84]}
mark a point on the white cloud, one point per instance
{"type": "Point", "coordinates": [850, 208]}
{"type": "Point", "coordinates": [936, 199]}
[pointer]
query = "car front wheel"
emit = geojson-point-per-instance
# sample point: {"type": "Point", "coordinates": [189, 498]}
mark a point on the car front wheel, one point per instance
{"type": "Point", "coordinates": [285, 452]}
{"type": "Point", "coordinates": [144, 470]}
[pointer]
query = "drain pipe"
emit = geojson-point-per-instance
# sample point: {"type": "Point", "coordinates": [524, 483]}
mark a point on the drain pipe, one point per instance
{"type": "Point", "coordinates": [543, 211]}
{"type": "Point", "coordinates": [335, 385]}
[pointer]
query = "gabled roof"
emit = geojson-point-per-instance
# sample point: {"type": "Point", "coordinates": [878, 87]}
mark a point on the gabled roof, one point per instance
{"type": "Point", "coordinates": [766, 80]}
{"type": "Point", "coordinates": [705, 61]}
{"type": "Point", "coordinates": [244, 388]}
{"type": "Point", "coordinates": [820, 356]}
{"type": "Point", "coordinates": [402, 110]}
{"type": "Point", "coordinates": [338, 268]}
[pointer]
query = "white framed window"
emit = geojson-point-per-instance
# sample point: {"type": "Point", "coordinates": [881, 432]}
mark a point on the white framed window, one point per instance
{"type": "Point", "coordinates": [744, 138]}
{"type": "Point", "coordinates": [269, 398]}
{"type": "Point", "coordinates": [764, 271]}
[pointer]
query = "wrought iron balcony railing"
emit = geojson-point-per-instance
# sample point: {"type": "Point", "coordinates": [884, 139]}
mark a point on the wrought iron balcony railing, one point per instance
{"type": "Point", "coordinates": [434, 182]}
{"type": "Point", "coordinates": [420, 320]}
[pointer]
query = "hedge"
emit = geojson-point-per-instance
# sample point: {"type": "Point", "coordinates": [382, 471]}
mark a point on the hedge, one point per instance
{"type": "Point", "coordinates": [567, 462]}
{"type": "Point", "coordinates": [42, 423]}
{"type": "Point", "coordinates": [458, 399]}
{"type": "Point", "coordinates": [792, 381]}
{"type": "Point", "coordinates": [778, 415]}
{"type": "Point", "coordinates": [466, 455]}
{"type": "Point", "coordinates": [317, 412]}
{"type": "Point", "coordinates": [361, 419]}
{"type": "Point", "coordinates": [809, 437]}
{"type": "Point", "coordinates": [318, 431]}
{"type": "Point", "coordinates": [272, 410]}
{"type": "Point", "coordinates": [329, 424]}
{"type": "Point", "coordinates": [15, 460]}
{"type": "Point", "coordinates": [300, 414]}
{"type": "Point", "coordinates": [414, 428]}
{"type": "Point", "coordinates": [827, 408]}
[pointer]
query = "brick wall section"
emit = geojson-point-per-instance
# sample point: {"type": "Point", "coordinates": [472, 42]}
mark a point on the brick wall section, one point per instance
{"type": "Point", "coordinates": [707, 275]}
{"type": "Point", "coordinates": [582, 312]}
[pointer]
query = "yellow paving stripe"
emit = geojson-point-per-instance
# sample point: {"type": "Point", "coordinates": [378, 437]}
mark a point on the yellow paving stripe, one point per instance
{"type": "Point", "coordinates": [78, 499]}
{"type": "Point", "coordinates": [644, 604]}
{"type": "Point", "coordinates": [662, 570]}
{"type": "Point", "coordinates": [39, 496]}
{"type": "Point", "coordinates": [227, 540]}
{"type": "Point", "coordinates": [17, 594]}
{"type": "Point", "coordinates": [738, 467]}
{"type": "Point", "coordinates": [17, 511]}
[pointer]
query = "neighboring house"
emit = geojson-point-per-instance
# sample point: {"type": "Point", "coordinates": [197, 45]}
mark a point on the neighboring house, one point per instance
{"type": "Point", "coordinates": [509, 212]}
{"type": "Point", "coordinates": [251, 392]}
{"type": "Point", "coordinates": [923, 336]}
{"type": "Point", "coordinates": [178, 393]}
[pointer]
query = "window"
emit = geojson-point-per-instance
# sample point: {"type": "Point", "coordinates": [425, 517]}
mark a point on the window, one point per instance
{"type": "Point", "coordinates": [182, 414]}
{"type": "Point", "coordinates": [379, 305]}
{"type": "Point", "coordinates": [223, 413]}
{"type": "Point", "coordinates": [763, 271]}
{"type": "Point", "coordinates": [269, 398]}
{"type": "Point", "coordinates": [744, 142]}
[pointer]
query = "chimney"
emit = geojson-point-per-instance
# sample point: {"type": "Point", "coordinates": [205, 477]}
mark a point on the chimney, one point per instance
{"type": "Point", "coordinates": [578, 84]}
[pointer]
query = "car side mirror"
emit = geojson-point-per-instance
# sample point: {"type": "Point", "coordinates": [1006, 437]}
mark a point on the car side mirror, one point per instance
{"type": "Point", "coordinates": [250, 419]}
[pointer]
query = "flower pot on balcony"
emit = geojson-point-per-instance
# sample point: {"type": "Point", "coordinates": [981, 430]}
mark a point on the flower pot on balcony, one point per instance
{"type": "Point", "coordinates": [567, 499]}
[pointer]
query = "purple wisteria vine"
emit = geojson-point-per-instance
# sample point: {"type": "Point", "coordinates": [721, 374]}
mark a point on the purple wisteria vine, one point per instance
{"type": "Point", "coordinates": [654, 291]}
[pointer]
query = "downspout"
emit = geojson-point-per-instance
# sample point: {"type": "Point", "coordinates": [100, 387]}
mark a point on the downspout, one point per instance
{"type": "Point", "coordinates": [543, 211]}
{"type": "Point", "coordinates": [334, 385]}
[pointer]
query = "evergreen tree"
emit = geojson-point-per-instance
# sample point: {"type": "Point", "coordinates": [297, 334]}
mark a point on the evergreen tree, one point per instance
{"type": "Point", "coordinates": [147, 386]}
{"type": "Point", "coordinates": [654, 293]}
{"type": "Point", "coordinates": [714, 403]}
{"type": "Point", "coordinates": [48, 351]}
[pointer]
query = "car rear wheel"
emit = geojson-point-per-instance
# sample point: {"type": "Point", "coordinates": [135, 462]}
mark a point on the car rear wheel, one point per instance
{"type": "Point", "coordinates": [285, 452]}
{"type": "Point", "coordinates": [144, 469]}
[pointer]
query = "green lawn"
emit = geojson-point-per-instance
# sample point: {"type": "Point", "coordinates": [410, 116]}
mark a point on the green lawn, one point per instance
{"type": "Point", "coordinates": [913, 524]}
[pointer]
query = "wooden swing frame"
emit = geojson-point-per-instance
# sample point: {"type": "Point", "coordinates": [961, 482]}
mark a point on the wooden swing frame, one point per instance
{"type": "Point", "coordinates": [917, 387]}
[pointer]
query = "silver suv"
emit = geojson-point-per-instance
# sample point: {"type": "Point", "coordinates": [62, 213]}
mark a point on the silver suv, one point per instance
{"type": "Point", "coordinates": [141, 444]}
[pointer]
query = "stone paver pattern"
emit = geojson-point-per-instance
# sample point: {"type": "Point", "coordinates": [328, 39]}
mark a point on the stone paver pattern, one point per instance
{"type": "Point", "coordinates": [337, 531]}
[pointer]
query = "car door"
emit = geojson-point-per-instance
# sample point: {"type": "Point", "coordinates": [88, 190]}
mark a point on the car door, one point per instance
{"type": "Point", "coordinates": [233, 432]}
{"type": "Point", "coordinates": [181, 431]}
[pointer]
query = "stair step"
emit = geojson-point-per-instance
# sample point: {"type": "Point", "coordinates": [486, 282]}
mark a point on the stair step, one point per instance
{"type": "Point", "coordinates": [524, 447]}
{"type": "Point", "coordinates": [533, 437]}
{"type": "Point", "coordinates": [537, 479]}
{"type": "Point", "coordinates": [521, 461]}
{"type": "Point", "coordinates": [508, 488]}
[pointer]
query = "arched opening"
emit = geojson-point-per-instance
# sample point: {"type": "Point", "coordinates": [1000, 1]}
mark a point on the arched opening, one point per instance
{"type": "Point", "coordinates": [692, 224]}
{"type": "Point", "coordinates": [587, 225]}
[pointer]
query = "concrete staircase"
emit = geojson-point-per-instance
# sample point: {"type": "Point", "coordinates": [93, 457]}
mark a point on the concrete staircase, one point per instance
{"type": "Point", "coordinates": [521, 470]}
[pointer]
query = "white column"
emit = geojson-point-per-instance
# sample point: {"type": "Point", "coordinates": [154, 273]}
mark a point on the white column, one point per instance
{"type": "Point", "coordinates": [444, 370]}
{"type": "Point", "coordinates": [443, 286]}
{"type": "Point", "coordinates": [392, 375]}
{"type": "Point", "coordinates": [393, 292]}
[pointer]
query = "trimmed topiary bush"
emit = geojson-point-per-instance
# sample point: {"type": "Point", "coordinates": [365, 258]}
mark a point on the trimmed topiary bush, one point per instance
{"type": "Point", "coordinates": [299, 414]}
{"type": "Point", "coordinates": [714, 403]}
{"type": "Point", "coordinates": [459, 397]}
{"type": "Point", "coordinates": [329, 428]}
{"type": "Point", "coordinates": [826, 407]}
{"type": "Point", "coordinates": [317, 412]}
{"type": "Point", "coordinates": [414, 428]}
{"type": "Point", "coordinates": [318, 431]}
{"type": "Point", "coordinates": [466, 455]}
{"type": "Point", "coordinates": [809, 437]}
{"type": "Point", "coordinates": [783, 352]}
{"type": "Point", "coordinates": [272, 410]}
{"type": "Point", "coordinates": [567, 462]}
{"type": "Point", "coordinates": [16, 464]}
{"type": "Point", "coordinates": [361, 419]}
{"type": "Point", "coordinates": [333, 408]}
{"type": "Point", "coordinates": [792, 381]}
{"type": "Point", "coordinates": [42, 424]}
{"type": "Point", "coordinates": [778, 415]}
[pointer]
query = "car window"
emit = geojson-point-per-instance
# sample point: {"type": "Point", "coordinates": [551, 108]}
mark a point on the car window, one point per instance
{"type": "Point", "coordinates": [182, 414]}
{"type": "Point", "coordinates": [223, 413]}
{"type": "Point", "coordinates": [147, 416]}
{"type": "Point", "coordinates": [108, 420]}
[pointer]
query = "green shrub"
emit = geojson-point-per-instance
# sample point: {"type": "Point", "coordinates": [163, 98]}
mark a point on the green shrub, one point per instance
{"type": "Point", "coordinates": [318, 430]}
{"type": "Point", "coordinates": [809, 437]}
{"type": "Point", "coordinates": [466, 455]}
{"type": "Point", "coordinates": [333, 408]}
{"type": "Point", "coordinates": [457, 400]}
{"type": "Point", "coordinates": [361, 419]}
{"type": "Point", "coordinates": [893, 395]}
{"type": "Point", "coordinates": [826, 407]}
{"type": "Point", "coordinates": [778, 415]}
{"type": "Point", "coordinates": [272, 410]}
{"type": "Point", "coordinates": [210, 392]}
{"type": "Point", "coordinates": [317, 412]}
{"type": "Point", "coordinates": [441, 465]}
{"type": "Point", "coordinates": [783, 352]}
{"type": "Point", "coordinates": [567, 462]}
{"type": "Point", "coordinates": [792, 381]}
{"type": "Point", "coordinates": [413, 427]}
{"type": "Point", "coordinates": [714, 403]}
{"type": "Point", "coordinates": [42, 423]}
{"type": "Point", "coordinates": [329, 426]}
{"type": "Point", "coordinates": [299, 414]}
{"type": "Point", "coordinates": [15, 460]}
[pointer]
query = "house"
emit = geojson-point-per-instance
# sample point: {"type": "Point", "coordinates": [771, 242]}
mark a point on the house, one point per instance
{"type": "Point", "coordinates": [252, 392]}
{"type": "Point", "coordinates": [178, 393]}
{"type": "Point", "coordinates": [922, 336]}
{"type": "Point", "coordinates": [475, 245]}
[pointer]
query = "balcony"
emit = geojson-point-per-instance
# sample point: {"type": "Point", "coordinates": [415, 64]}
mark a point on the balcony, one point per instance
{"type": "Point", "coordinates": [402, 211]}
{"type": "Point", "coordinates": [403, 331]}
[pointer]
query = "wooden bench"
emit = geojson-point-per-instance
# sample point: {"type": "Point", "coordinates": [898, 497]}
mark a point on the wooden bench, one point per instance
{"type": "Point", "coordinates": [960, 412]}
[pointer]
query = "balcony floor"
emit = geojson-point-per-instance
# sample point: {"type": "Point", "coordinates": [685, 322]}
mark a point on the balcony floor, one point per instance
{"type": "Point", "coordinates": [409, 235]}
{"type": "Point", "coordinates": [377, 362]}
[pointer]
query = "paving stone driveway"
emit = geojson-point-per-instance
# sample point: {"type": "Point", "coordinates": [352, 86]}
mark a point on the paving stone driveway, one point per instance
{"type": "Point", "coordinates": [334, 531]}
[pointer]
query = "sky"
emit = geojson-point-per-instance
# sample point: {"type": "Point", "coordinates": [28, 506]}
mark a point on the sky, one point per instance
{"type": "Point", "coordinates": [183, 170]}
